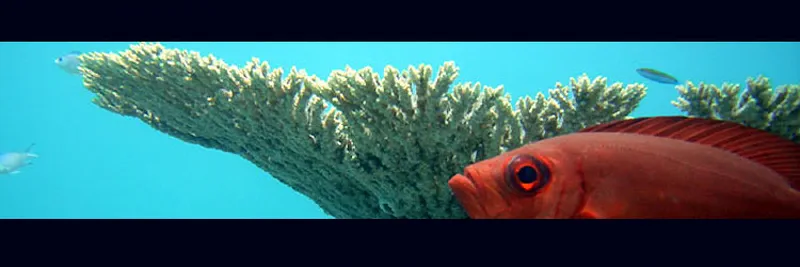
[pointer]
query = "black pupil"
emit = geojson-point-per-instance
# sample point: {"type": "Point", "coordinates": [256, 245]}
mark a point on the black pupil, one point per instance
{"type": "Point", "coordinates": [526, 175]}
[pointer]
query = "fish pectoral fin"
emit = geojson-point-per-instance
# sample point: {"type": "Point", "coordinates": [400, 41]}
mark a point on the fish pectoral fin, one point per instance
{"type": "Point", "coordinates": [585, 215]}
{"type": "Point", "coordinates": [14, 172]}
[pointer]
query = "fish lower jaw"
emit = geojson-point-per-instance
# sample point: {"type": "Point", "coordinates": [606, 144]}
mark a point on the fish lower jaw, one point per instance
{"type": "Point", "coordinates": [466, 193]}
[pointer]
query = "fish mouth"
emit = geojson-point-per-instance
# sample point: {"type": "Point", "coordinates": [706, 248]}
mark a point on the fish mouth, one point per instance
{"type": "Point", "coordinates": [465, 190]}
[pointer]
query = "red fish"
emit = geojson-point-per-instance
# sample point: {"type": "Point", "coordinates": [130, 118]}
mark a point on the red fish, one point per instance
{"type": "Point", "coordinates": [659, 167]}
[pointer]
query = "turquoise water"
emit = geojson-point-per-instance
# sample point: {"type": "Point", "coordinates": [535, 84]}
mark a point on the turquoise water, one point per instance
{"type": "Point", "coordinates": [96, 164]}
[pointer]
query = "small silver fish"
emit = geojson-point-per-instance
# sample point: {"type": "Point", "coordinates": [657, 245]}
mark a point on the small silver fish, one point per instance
{"type": "Point", "coordinates": [70, 62]}
{"type": "Point", "coordinates": [12, 162]}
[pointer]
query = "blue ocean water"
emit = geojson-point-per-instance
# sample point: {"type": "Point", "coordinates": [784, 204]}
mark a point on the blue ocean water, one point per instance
{"type": "Point", "coordinates": [96, 164]}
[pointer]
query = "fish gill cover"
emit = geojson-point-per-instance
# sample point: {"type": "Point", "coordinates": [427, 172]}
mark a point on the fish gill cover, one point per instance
{"type": "Point", "coordinates": [388, 145]}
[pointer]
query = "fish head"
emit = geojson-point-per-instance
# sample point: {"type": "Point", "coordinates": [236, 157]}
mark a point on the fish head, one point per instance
{"type": "Point", "coordinates": [539, 180]}
{"type": "Point", "coordinates": [69, 62]}
{"type": "Point", "coordinates": [65, 60]}
{"type": "Point", "coordinates": [13, 160]}
{"type": "Point", "coordinates": [8, 162]}
{"type": "Point", "coordinates": [10, 158]}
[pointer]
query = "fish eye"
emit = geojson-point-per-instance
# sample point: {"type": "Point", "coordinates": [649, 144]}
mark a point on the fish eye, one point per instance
{"type": "Point", "coordinates": [58, 60]}
{"type": "Point", "coordinates": [527, 174]}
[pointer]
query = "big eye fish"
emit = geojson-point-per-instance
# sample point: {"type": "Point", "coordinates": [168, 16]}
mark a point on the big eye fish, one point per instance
{"type": "Point", "coordinates": [658, 167]}
{"type": "Point", "coordinates": [657, 76]}
{"type": "Point", "coordinates": [12, 162]}
{"type": "Point", "coordinates": [70, 62]}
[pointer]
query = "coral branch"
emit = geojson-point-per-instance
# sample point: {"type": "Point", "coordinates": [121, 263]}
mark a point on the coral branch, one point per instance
{"type": "Point", "coordinates": [385, 148]}
{"type": "Point", "coordinates": [759, 106]}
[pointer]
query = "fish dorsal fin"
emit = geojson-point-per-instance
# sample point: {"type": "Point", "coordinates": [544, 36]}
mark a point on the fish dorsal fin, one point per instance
{"type": "Point", "coordinates": [27, 150]}
{"type": "Point", "coordinates": [774, 152]}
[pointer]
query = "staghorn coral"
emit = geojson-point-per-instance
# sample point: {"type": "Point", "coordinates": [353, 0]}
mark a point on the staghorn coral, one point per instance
{"type": "Point", "coordinates": [591, 103]}
{"type": "Point", "coordinates": [383, 149]}
{"type": "Point", "coordinates": [759, 106]}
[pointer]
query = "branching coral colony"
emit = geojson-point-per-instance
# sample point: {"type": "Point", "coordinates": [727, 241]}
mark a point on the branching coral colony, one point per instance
{"type": "Point", "coordinates": [386, 146]}
{"type": "Point", "coordinates": [758, 105]}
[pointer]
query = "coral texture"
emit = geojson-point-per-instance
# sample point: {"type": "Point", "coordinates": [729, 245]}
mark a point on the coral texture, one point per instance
{"type": "Point", "coordinates": [365, 146]}
{"type": "Point", "coordinates": [759, 106]}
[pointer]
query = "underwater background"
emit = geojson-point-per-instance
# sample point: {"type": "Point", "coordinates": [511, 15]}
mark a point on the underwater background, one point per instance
{"type": "Point", "coordinates": [96, 164]}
